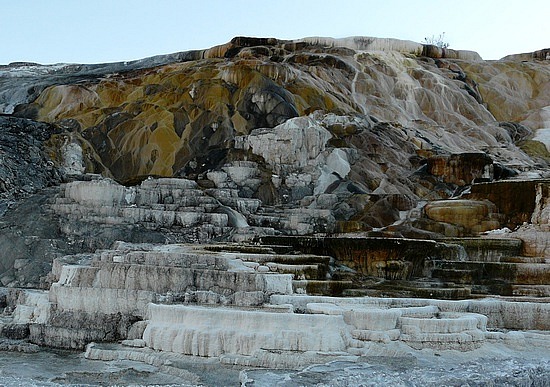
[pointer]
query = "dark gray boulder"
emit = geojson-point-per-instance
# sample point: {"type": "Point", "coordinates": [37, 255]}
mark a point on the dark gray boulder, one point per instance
{"type": "Point", "coordinates": [25, 167]}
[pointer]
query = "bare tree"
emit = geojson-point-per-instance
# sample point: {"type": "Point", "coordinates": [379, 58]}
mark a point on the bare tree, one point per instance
{"type": "Point", "coordinates": [438, 41]}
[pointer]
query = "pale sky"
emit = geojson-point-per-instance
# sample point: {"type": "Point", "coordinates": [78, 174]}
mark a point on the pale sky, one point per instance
{"type": "Point", "coordinates": [99, 31]}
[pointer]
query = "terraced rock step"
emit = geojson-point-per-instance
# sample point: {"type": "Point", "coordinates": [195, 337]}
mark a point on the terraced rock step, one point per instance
{"type": "Point", "coordinates": [324, 329]}
{"type": "Point", "coordinates": [514, 259]}
{"type": "Point", "coordinates": [478, 272]}
{"type": "Point", "coordinates": [252, 306]}
{"type": "Point", "coordinates": [389, 258]}
{"type": "Point", "coordinates": [457, 269]}
{"type": "Point", "coordinates": [154, 204]}
{"type": "Point", "coordinates": [180, 208]}
{"type": "Point", "coordinates": [99, 296]}
{"type": "Point", "coordinates": [456, 275]}
{"type": "Point", "coordinates": [321, 287]}
{"type": "Point", "coordinates": [437, 290]}
{"type": "Point", "coordinates": [488, 249]}
{"type": "Point", "coordinates": [531, 290]}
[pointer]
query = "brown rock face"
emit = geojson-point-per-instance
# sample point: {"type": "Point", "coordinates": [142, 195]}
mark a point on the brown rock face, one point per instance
{"type": "Point", "coordinates": [461, 169]}
{"type": "Point", "coordinates": [535, 233]}
{"type": "Point", "coordinates": [377, 257]}
{"type": "Point", "coordinates": [154, 122]}
{"type": "Point", "coordinates": [515, 200]}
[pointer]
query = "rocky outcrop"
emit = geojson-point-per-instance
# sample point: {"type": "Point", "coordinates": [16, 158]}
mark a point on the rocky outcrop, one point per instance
{"type": "Point", "coordinates": [25, 166]}
{"type": "Point", "coordinates": [461, 169]}
{"type": "Point", "coordinates": [386, 124]}
{"type": "Point", "coordinates": [414, 152]}
{"type": "Point", "coordinates": [141, 122]}
{"type": "Point", "coordinates": [543, 54]}
{"type": "Point", "coordinates": [467, 217]}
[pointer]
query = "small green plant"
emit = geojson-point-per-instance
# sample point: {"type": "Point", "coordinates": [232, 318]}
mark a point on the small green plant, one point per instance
{"type": "Point", "coordinates": [438, 41]}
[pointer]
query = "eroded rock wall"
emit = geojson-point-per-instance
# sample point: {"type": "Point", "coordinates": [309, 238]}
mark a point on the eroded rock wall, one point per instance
{"type": "Point", "coordinates": [25, 165]}
{"type": "Point", "coordinates": [160, 120]}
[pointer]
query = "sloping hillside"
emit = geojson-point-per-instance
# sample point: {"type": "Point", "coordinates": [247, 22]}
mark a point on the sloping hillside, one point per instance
{"type": "Point", "coordinates": [296, 137]}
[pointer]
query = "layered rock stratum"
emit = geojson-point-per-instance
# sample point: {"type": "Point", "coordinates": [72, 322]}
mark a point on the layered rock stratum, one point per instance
{"type": "Point", "coordinates": [256, 202]}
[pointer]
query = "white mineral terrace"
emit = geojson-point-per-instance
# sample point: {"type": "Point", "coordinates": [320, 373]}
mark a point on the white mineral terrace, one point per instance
{"type": "Point", "coordinates": [238, 307]}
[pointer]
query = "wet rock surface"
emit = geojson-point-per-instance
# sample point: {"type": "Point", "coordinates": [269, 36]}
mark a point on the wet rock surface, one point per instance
{"type": "Point", "coordinates": [66, 368]}
{"type": "Point", "coordinates": [493, 366]}
{"type": "Point", "coordinates": [25, 167]}
{"type": "Point", "coordinates": [394, 371]}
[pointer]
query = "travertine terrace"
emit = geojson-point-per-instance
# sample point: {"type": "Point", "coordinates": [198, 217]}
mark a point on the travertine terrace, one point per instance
{"type": "Point", "coordinates": [277, 204]}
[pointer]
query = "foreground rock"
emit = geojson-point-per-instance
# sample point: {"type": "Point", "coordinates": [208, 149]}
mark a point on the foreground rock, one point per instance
{"type": "Point", "coordinates": [490, 367]}
{"type": "Point", "coordinates": [25, 167]}
{"type": "Point", "coordinates": [267, 306]}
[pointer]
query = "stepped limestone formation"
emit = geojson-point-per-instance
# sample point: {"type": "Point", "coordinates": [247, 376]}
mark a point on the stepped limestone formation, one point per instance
{"type": "Point", "coordinates": [246, 306]}
{"type": "Point", "coordinates": [277, 204]}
